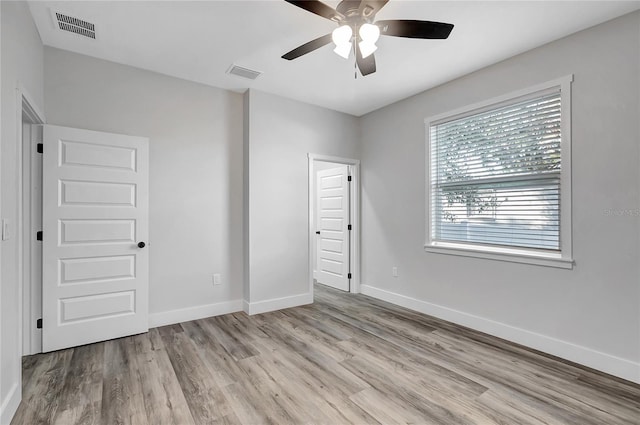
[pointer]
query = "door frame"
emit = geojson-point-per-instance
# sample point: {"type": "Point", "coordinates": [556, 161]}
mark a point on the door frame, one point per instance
{"type": "Point", "coordinates": [30, 336]}
{"type": "Point", "coordinates": [354, 212]}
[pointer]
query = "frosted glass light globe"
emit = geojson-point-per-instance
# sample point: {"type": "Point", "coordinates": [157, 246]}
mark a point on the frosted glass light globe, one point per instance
{"type": "Point", "coordinates": [341, 37]}
{"type": "Point", "coordinates": [369, 33]}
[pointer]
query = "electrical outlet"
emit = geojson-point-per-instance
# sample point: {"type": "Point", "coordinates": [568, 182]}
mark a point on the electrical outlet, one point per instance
{"type": "Point", "coordinates": [394, 271]}
{"type": "Point", "coordinates": [216, 279]}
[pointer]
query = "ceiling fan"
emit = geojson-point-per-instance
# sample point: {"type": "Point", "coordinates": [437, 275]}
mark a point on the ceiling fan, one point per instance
{"type": "Point", "coordinates": [358, 31]}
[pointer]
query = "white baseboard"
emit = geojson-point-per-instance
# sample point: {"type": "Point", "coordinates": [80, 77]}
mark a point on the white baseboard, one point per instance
{"type": "Point", "coordinates": [10, 404]}
{"type": "Point", "coordinates": [607, 363]}
{"type": "Point", "coordinates": [278, 303]}
{"type": "Point", "coordinates": [193, 313]}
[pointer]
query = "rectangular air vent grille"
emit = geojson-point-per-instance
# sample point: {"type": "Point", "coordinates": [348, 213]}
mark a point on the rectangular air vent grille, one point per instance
{"type": "Point", "coordinates": [75, 25]}
{"type": "Point", "coordinates": [243, 72]}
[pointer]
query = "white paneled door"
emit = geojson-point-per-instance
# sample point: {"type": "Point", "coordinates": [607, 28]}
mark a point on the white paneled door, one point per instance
{"type": "Point", "coordinates": [332, 233]}
{"type": "Point", "coordinates": [95, 227]}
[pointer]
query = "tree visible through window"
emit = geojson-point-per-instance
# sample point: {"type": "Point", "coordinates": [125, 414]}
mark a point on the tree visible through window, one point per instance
{"type": "Point", "coordinates": [495, 175]}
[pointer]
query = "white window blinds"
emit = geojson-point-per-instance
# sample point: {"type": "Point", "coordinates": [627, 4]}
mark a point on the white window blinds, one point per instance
{"type": "Point", "coordinates": [495, 175]}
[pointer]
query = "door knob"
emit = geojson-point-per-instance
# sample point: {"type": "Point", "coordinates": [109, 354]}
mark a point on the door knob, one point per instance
{"type": "Point", "coordinates": [318, 232]}
{"type": "Point", "coordinates": [141, 244]}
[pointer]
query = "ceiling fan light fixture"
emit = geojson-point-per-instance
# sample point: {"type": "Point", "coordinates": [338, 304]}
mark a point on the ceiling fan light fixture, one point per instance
{"type": "Point", "coordinates": [366, 48]}
{"type": "Point", "coordinates": [343, 50]}
{"type": "Point", "coordinates": [369, 33]}
{"type": "Point", "coordinates": [341, 37]}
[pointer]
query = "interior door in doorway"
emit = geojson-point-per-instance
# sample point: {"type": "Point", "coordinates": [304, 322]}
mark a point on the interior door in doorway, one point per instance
{"type": "Point", "coordinates": [95, 228]}
{"type": "Point", "coordinates": [332, 233]}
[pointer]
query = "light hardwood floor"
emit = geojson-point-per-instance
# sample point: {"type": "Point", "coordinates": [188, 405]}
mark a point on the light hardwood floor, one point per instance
{"type": "Point", "coordinates": [344, 359]}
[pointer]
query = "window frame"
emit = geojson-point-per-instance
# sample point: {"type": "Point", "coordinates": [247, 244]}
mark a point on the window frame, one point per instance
{"type": "Point", "coordinates": [562, 258]}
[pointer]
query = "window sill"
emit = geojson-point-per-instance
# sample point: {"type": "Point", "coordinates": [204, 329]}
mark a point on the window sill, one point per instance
{"type": "Point", "coordinates": [501, 254]}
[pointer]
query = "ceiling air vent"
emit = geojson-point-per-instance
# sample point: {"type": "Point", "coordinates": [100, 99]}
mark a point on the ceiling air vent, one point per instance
{"type": "Point", "coordinates": [74, 25]}
{"type": "Point", "coordinates": [243, 72]}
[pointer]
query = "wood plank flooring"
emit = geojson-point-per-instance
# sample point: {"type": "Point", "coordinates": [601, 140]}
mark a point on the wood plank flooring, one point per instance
{"type": "Point", "coordinates": [346, 359]}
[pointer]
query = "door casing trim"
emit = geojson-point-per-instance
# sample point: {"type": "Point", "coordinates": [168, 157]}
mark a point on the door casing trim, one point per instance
{"type": "Point", "coordinates": [29, 334]}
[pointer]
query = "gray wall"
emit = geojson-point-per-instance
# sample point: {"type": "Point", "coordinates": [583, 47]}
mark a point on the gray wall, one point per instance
{"type": "Point", "coordinates": [195, 134]}
{"type": "Point", "coordinates": [21, 61]}
{"type": "Point", "coordinates": [281, 134]}
{"type": "Point", "coordinates": [590, 314]}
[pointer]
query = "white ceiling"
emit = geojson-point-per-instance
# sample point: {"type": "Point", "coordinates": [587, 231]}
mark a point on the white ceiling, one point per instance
{"type": "Point", "coordinates": [199, 40]}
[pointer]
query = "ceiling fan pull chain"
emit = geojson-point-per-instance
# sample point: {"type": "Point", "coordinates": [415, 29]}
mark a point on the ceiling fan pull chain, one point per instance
{"type": "Point", "coordinates": [355, 63]}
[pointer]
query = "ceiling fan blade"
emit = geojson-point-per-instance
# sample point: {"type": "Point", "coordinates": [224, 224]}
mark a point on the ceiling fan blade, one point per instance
{"type": "Point", "coordinates": [318, 8]}
{"type": "Point", "coordinates": [369, 8]}
{"type": "Point", "coordinates": [365, 65]}
{"type": "Point", "coordinates": [308, 47]}
{"type": "Point", "coordinates": [414, 29]}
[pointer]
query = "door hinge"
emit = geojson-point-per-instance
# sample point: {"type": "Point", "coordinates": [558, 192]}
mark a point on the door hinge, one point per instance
{"type": "Point", "coordinates": [348, 178]}
{"type": "Point", "coordinates": [348, 275]}
{"type": "Point", "coordinates": [39, 148]}
{"type": "Point", "coordinates": [39, 323]}
{"type": "Point", "coordinates": [39, 235]}
{"type": "Point", "coordinates": [348, 227]}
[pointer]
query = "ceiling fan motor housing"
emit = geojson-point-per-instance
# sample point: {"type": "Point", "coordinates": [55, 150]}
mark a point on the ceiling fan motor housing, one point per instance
{"type": "Point", "coordinates": [354, 16]}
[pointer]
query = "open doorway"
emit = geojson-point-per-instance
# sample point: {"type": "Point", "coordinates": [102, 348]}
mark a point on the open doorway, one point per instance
{"type": "Point", "coordinates": [334, 231]}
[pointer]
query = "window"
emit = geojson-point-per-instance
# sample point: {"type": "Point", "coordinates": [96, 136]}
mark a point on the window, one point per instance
{"type": "Point", "coordinates": [499, 183]}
